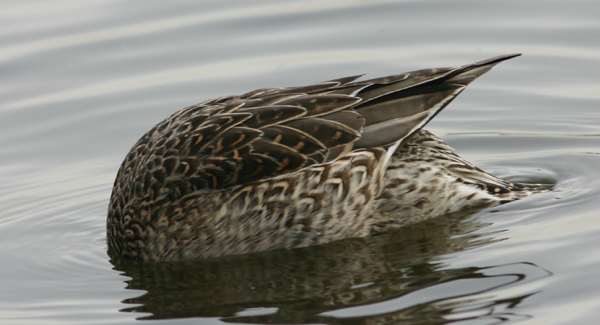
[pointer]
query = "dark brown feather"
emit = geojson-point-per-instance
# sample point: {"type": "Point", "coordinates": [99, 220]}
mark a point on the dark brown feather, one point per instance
{"type": "Point", "coordinates": [340, 133]}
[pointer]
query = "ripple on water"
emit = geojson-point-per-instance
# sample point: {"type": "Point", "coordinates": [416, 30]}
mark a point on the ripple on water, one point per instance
{"type": "Point", "coordinates": [82, 81]}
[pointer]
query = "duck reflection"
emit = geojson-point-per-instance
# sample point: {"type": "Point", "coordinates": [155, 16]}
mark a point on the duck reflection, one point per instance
{"type": "Point", "coordinates": [398, 276]}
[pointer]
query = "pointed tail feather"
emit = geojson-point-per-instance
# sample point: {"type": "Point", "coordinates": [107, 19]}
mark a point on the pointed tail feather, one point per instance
{"type": "Point", "coordinates": [395, 107]}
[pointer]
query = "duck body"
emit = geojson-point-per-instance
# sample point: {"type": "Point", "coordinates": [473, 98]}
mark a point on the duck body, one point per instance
{"type": "Point", "coordinates": [299, 166]}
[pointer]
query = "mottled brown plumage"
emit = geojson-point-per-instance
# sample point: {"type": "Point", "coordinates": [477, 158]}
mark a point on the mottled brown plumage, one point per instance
{"type": "Point", "coordinates": [299, 166]}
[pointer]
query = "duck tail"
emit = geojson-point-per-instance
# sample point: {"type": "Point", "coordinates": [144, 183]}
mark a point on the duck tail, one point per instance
{"type": "Point", "coordinates": [395, 107]}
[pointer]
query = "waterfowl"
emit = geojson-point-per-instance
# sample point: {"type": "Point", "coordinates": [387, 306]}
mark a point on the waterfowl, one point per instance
{"type": "Point", "coordinates": [298, 166]}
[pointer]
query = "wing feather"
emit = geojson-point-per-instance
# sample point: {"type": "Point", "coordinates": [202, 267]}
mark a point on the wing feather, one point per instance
{"type": "Point", "coordinates": [267, 132]}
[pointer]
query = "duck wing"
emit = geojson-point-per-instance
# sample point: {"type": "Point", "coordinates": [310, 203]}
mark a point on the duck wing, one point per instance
{"type": "Point", "coordinates": [235, 140]}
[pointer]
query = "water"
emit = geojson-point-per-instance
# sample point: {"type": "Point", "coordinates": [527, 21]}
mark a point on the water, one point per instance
{"type": "Point", "coordinates": [82, 81]}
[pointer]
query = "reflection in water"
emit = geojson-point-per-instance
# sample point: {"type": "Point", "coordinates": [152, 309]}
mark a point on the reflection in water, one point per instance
{"type": "Point", "coordinates": [399, 276]}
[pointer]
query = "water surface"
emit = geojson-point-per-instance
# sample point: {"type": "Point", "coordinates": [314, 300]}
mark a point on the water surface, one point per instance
{"type": "Point", "coordinates": [82, 81]}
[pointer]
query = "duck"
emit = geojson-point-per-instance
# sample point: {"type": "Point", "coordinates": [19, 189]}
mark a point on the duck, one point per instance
{"type": "Point", "coordinates": [283, 168]}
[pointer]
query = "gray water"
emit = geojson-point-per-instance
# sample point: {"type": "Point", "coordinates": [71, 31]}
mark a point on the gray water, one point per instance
{"type": "Point", "coordinates": [81, 81]}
